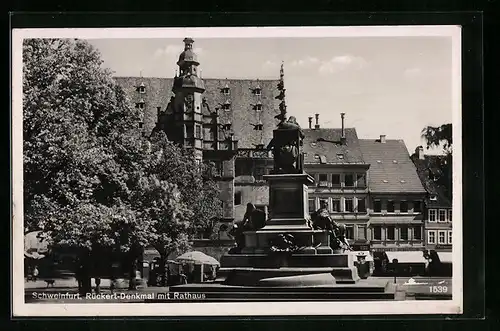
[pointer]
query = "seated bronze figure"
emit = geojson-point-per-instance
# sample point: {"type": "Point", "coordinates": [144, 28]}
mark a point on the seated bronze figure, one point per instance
{"type": "Point", "coordinates": [254, 219]}
{"type": "Point", "coordinates": [321, 220]}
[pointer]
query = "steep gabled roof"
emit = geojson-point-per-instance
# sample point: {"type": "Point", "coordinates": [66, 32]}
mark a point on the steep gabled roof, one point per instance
{"type": "Point", "coordinates": [241, 113]}
{"type": "Point", "coordinates": [427, 169]}
{"type": "Point", "coordinates": [391, 169]}
{"type": "Point", "coordinates": [323, 146]}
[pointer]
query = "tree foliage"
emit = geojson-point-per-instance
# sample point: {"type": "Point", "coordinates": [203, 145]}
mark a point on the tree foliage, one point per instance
{"type": "Point", "coordinates": [90, 177]}
{"type": "Point", "coordinates": [80, 141]}
{"type": "Point", "coordinates": [440, 136]}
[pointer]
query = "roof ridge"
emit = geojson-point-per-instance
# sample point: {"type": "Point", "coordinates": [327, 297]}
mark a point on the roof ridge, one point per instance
{"type": "Point", "coordinates": [205, 78]}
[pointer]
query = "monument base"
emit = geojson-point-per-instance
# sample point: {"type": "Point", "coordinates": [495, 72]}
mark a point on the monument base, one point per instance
{"type": "Point", "coordinates": [274, 268]}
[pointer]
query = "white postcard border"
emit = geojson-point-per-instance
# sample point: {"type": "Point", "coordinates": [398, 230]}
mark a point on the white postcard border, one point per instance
{"type": "Point", "coordinates": [454, 306]}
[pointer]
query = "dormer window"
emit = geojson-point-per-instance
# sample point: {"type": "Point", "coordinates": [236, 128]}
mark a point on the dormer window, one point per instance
{"type": "Point", "coordinates": [433, 197]}
{"type": "Point", "coordinates": [258, 107]}
{"type": "Point", "coordinates": [225, 90]}
{"type": "Point", "coordinates": [257, 90]}
{"type": "Point", "coordinates": [141, 88]}
{"type": "Point", "coordinates": [227, 126]}
{"type": "Point", "coordinates": [340, 156]}
{"type": "Point", "coordinates": [258, 127]}
{"type": "Point", "coordinates": [140, 104]}
{"type": "Point", "coordinates": [226, 105]}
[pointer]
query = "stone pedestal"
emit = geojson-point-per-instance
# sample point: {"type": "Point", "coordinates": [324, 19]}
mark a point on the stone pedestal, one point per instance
{"type": "Point", "coordinates": [256, 265]}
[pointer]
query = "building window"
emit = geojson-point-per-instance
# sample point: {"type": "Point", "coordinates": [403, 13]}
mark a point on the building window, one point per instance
{"type": "Point", "coordinates": [377, 233]}
{"type": "Point", "coordinates": [403, 235]}
{"type": "Point", "coordinates": [361, 232]}
{"type": "Point", "coordinates": [432, 215]}
{"type": "Point", "coordinates": [361, 206]}
{"type": "Point", "coordinates": [361, 180]}
{"type": "Point", "coordinates": [349, 180]}
{"type": "Point", "coordinates": [336, 205]}
{"type": "Point", "coordinates": [237, 198]}
{"type": "Point", "coordinates": [403, 206]}
{"type": "Point", "coordinates": [242, 168]}
{"type": "Point", "coordinates": [442, 215]}
{"type": "Point", "coordinates": [441, 237]}
{"type": "Point", "coordinates": [417, 207]}
{"type": "Point", "coordinates": [349, 205]}
{"type": "Point", "coordinates": [323, 180]}
{"type": "Point", "coordinates": [450, 233]}
{"type": "Point", "coordinates": [390, 206]}
{"type": "Point", "coordinates": [259, 173]}
{"type": "Point", "coordinates": [312, 205]}
{"type": "Point", "coordinates": [198, 132]}
{"type": "Point", "coordinates": [377, 206]}
{"type": "Point", "coordinates": [141, 125]}
{"type": "Point", "coordinates": [189, 131]}
{"type": "Point", "coordinates": [349, 231]}
{"type": "Point", "coordinates": [449, 215]}
{"type": "Point", "coordinates": [336, 180]}
{"type": "Point", "coordinates": [431, 237]}
{"type": "Point", "coordinates": [391, 232]}
{"type": "Point", "coordinates": [417, 233]}
{"type": "Point", "coordinates": [139, 105]}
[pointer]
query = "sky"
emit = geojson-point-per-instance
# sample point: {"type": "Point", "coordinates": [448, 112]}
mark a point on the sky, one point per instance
{"type": "Point", "coordinates": [386, 85]}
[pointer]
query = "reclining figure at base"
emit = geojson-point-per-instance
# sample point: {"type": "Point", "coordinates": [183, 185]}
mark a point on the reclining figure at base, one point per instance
{"type": "Point", "coordinates": [321, 220]}
{"type": "Point", "coordinates": [254, 219]}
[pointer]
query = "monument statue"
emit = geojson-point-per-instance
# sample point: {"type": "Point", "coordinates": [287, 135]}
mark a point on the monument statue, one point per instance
{"type": "Point", "coordinates": [287, 147]}
{"type": "Point", "coordinates": [254, 219]}
{"type": "Point", "coordinates": [321, 220]}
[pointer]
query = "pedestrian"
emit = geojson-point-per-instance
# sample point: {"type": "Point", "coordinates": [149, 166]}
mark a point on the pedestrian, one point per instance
{"type": "Point", "coordinates": [35, 273]}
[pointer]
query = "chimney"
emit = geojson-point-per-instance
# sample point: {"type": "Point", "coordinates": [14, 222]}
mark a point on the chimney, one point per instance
{"type": "Point", "coordinates": [310, 122]}
{"type": "Point", "coordinates": [382, 138]}
{"type": "Point", "coordinates": [317, 121]}
{"type": "Point", "coordinates": [342, 132]}
{"type": "Point", "coordinates": [419, 151]}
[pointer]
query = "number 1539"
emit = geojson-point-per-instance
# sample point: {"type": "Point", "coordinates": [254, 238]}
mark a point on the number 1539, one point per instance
{"type": "Point", "coordinates": [438, 289]}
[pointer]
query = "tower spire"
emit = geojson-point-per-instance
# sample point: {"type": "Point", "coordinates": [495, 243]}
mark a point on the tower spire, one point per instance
{"type": "Point", "coordinates": [281, 96]}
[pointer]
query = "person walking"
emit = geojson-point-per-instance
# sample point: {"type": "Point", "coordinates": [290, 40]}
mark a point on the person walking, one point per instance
{"type": "Point", "coordinates": [35, 273]}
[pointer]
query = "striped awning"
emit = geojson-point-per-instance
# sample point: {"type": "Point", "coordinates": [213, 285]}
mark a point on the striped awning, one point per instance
{"type": "Point", "coordinates": [407, 257]}
{"type": "Point", "coordinates": [445, 257]}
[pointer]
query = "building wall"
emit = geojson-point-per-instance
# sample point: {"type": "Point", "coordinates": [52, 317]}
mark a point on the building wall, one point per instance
{"type": "Point", "coordinates": [438, 232]}
{"type": "Point", "coordinates": [387, 227]}
{"type": "Point", "coordinates": [336, 196]}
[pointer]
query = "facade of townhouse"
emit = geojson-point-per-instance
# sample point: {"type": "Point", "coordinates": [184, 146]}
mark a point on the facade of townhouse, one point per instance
{"type": "Point", "coordinates": [396, 197]}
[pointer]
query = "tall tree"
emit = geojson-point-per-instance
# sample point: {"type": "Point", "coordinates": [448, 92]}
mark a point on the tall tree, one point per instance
{"type": "Point", "coordinates": [441, 137]}
{"type": "Point", "coordinates": [174, 197]}
{"type": "Point", "coordinates": [80, 145]}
